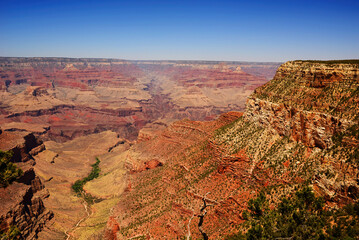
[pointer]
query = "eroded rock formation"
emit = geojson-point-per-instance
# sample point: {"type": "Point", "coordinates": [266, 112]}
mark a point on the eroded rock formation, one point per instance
{"type": "Point", "coordinates": [309, 102]}
{"type": "Point", "coordinates": [22, 203]}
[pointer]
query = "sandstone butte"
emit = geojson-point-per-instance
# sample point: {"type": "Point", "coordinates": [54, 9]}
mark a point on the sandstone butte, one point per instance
{"type": "Point", "coordinates": [152, 188]}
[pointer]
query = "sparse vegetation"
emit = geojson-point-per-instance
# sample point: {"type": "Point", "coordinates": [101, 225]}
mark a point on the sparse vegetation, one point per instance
{"type": "Point", "coordinates": [9, 172]}
{"type": "Point", "coordinates": [344, 139]}
{"type": "Point", "coordinates": [299, 216]}
{"type": "Point", "coordinates": [224, 128]}
{"type": "Point", "coordinates": [11, 234]}
{"type": "Point", "coordinates": [79, 184]}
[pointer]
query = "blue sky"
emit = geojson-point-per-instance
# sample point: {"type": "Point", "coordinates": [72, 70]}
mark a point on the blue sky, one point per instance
{"type": "Point", "coordinates": [252, 30]}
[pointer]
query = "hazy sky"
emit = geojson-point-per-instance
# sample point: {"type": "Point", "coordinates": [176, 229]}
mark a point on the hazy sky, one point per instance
{"type": "Point", "coordinates": [252, 30]}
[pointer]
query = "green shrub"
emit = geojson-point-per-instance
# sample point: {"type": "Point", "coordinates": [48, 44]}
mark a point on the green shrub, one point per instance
{"type": "Point", "coordinates": [11, 234]}
{"type": "Point", "coordinates": [8, 170]}
{"type": "Point", "coordinates": [95, 172]}
{"type": "Point", "coordinates": [299, 216]}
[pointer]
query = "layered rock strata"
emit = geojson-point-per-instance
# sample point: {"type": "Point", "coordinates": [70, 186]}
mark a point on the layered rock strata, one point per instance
{"type": "Point", "coordinates": [308, 101]}
{"type": "Point", "coordinates": [76, 97]}
{"type": "Point", "coordinates": [22, 203]}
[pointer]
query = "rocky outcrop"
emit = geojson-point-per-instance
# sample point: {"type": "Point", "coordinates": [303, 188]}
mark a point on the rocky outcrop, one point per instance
{"type": "Point", "coordinates": [318, 74]}
{"type": "Point", "coordinates": [314, 129]}
{"type": "Point", "coordinates": [147, 165]}
{"type": "Point", "coordinates": [22, 203]}
{"type": "Point", "coordinates": [308, 101]}
{"type": "Point", "coordinates": [23, 207]}
{"type": "Point", "coordinates": [24, 145]}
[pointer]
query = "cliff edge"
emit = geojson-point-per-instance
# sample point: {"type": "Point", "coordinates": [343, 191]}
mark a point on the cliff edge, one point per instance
{"type": "Point", "coordinates": [309, 101]}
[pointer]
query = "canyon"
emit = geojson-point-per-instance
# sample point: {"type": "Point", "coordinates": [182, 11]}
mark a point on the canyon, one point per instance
{"type": "Point", "coordinates": [177, 143]}
{"type": "Point", "coordinates": [76, 97]}
{"type": "Point", "coordinates": [58, 114]}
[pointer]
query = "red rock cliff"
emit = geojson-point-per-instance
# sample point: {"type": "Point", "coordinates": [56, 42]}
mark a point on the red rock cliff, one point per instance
{"type": "Point", "coordinates": [308, 101]}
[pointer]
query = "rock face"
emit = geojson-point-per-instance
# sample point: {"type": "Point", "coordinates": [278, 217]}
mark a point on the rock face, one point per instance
{"type": "Point", "coordinates": [24, 145]}
{"type": "Point", "coordinates": [308, 101]}
{"type": "Point", "coordinates": [22, 202]}
{"type": "Point", "coordinates": [314, 129]}
{"type": "Point", "coordinates": [318, 74]}
{"type": "Point", "coordinates": [23, 207]}
{"type": "Point", "coordinates": [76, 97]}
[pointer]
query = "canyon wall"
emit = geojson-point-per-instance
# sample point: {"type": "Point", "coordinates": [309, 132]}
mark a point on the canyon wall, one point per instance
{"type": "Point", "coordinates": [308, 101]}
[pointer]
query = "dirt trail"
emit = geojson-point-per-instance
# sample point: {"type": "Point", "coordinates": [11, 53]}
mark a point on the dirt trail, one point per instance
{"type": "Point", "coordinates": [89, 213]}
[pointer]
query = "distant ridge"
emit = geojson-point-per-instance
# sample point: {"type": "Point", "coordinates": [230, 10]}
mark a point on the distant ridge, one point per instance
{"type": "Point", "coordinates": [69, 59]}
